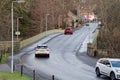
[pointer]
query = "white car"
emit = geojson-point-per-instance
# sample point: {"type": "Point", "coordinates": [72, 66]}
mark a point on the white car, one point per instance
{"type": "Point", "coordinates": [109, 67]}
{"type": "Point", "coordinates": [42, 51]}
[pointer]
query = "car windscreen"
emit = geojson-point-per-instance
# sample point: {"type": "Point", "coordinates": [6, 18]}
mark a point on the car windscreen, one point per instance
{"type": "Point", "coordinates": [68, 29]}
{"type": "Point", "coordinates": [115, 63]}
{"type": "Point", "coordinates": [41, 47]}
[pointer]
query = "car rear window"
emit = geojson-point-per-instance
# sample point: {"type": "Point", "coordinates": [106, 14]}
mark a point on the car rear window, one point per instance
{"type": "Point", "coordinates": [42, 47]}
{"type": "Point", "coordinates": [68, 29]}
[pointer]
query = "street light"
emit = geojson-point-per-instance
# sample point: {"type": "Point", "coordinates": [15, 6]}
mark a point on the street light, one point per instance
{"type": "Point", "coordinates": [12, 21]}
{"type": "Point", "coordinates": [59, 20]}
{"type": "Point", "coordinates": [18, 32]}
{"type": "Point", "coordinates": [46, 16]}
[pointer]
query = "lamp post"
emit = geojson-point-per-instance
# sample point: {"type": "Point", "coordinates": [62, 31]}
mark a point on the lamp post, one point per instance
{"type": "Point", "coordinates": [46, 16]}
{"type": "Point", "coordinates": [59, 21]}
{"type": "Point", "coordinates": [18, 32]}
{"type": "Point", "coordinates": [12, 21]}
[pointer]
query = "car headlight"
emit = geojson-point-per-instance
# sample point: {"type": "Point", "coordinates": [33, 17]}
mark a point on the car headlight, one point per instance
{"type": "Point", "coordinates": [118, 71]}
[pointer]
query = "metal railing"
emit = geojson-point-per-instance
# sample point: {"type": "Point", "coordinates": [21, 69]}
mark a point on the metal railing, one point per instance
{"type": "Point", "coordinates": [32, 72]}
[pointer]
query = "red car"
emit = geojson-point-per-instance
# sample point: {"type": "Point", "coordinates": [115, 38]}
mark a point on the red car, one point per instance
{"type": "Point", "coordinates": [68, 31]}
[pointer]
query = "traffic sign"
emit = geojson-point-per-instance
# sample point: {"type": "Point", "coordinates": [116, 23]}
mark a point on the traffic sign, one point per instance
{"type": "Point", "coordinates": [17, 33]}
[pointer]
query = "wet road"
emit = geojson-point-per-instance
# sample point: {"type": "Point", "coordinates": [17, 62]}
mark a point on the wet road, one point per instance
{"type": "Point", "coordinates": [63, 62]}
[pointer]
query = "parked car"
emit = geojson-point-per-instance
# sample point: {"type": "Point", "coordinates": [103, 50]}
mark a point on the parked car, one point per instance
{"type": "Point", "coordinates": [109, 67]}
{"type": "Point", "coordinates": [42, 51]}
{"type": "Point", "coordinates": [68, 31]}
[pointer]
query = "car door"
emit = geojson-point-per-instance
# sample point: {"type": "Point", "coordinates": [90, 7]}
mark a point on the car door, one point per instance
{"type": "Point", "coordinates": [107, 68]}
{"type": "Point", "coordinates": [103, 65]}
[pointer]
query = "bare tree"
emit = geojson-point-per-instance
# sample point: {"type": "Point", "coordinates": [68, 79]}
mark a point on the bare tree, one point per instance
{"type": "Point", "coordinates": [108, 11]}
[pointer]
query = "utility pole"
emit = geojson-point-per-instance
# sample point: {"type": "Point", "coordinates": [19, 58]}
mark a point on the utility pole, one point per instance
{"type": "Point", "coordinates": [59, 21]}
{"type": "Point", "coordinates": [12, 26]}
{"type": "Point", "coordinates": [46, 16]}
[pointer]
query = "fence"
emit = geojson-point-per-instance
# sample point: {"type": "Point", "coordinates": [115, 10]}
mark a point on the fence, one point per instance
{"type": "Point", "coordinates": [6, 45]}
{"type": "Point", "coordinates": [5, 49]}
{"type": "Point", "coordinates": [35, 74]}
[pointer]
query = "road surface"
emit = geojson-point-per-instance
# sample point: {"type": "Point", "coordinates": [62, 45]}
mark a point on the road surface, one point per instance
{"type": "Point", "coordinates": [64, 62]}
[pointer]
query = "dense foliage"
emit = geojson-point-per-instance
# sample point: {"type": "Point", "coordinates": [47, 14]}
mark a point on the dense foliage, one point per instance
{"type": "Point", "coordinates": [109, 14]}
{"type": "Point", "coordinates": [20, 10]}
{"type": "Point", "coordinates": [33, 13]}
{"type": "Point", "coordinates": [34, 18]}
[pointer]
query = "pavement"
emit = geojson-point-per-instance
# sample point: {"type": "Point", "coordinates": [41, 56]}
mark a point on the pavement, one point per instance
{"type": "Point", "coordinates": [4, 67]}
{"type": "Point", "coordinates": [82, 53]}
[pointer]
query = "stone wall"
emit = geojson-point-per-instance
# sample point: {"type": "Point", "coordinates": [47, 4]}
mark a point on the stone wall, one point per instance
{"type": "Point", "coordinates": [6, 45]}
{"type": "Point", "coordinates": [96, 52]}
{"type": "Point", "coordinates": [92, 49]}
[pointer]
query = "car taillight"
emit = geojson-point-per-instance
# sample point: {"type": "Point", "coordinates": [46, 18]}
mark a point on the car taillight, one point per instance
{"type": "Point", "coordinates": [36, 49]}
{"type": "Point", "coordinates": [47, 50]}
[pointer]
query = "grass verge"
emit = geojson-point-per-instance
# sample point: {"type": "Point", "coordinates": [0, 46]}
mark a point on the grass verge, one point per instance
{"type": "Point", "coordinates": [13, 76]}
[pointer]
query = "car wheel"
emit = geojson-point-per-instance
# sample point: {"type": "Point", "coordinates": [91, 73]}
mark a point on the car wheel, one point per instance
{"type": "Point", "coordinates": [48, 56]}
{"type": "Point", "coordinates": [112, 76]}
{"type": "Point", "coordinates": [35, 55]}
{"type": "Point", "coordinates": [97, 72]}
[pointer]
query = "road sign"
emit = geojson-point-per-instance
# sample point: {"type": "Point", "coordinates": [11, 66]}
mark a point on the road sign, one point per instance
{"type": "Point", "coordinates": [17, 33]}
